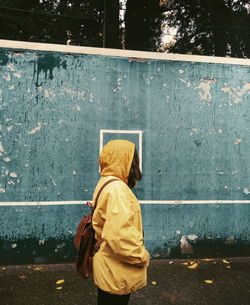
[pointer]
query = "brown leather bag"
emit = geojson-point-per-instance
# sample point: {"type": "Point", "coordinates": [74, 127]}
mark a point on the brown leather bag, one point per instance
{"type": "Point", "coordinates": [85, 241]}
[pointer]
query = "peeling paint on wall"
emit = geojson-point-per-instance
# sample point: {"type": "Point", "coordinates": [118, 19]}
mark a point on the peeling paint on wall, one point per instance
{"type": "Point", "coordinates": [13, 175]}
{"type": "Point", "coordinates": [237, 141]}
{"type": "Point", "coordinates": [186, 247]}
{"type": "Point", "coordinates": [235, 94]}
{"type": "Point", "coordinates": [77, 108]}
{"type": "Point", "coordinates": [1, 147]}
{"type": "Point", "coordinates": [246, 191]}
{"type": "Point", "coordinates": [17, 75]}
{"type": "Point", "coordinates": [205, 87]}
{"type": "Point", "coordinates": [11, 67]}
{"type": "Point", "coordinates": [36, 129]}
{"type": "Point", "coordinates": [7, 159]}
{"type": "Point", "coordinates": [7, 77]}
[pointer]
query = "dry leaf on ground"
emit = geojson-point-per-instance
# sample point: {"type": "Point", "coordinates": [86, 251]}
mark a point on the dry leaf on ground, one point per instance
{"type": "Point", "coordinates": [193, 266]}
{"type": "Point", "coordinates": [37, 268]}
{"type": "Point", "coordinates": [225, 261]}
{"type": "Point", "coordinates": [208, 281]}
{"type": "Point", "coordinates": [59, 282]}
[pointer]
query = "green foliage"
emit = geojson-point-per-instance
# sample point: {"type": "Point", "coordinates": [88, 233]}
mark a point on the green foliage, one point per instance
{"type": "Point", "coordinates": [80, 22]}
{"type": "Point", "coordinates": [210, 27]}
{"type": "Point", "coordinates": [52, 21]}
{"type": "Point", "coordinates": [143, 24]}
{"type": "Point", "coordinates": [205, 27]}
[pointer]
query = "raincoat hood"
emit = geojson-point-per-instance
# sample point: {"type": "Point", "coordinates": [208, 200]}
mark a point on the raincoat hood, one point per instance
{"type": "Point", "coordinates": [116, 159]}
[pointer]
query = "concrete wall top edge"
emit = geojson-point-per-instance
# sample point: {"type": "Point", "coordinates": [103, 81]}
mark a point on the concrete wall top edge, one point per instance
{"type": "Point", "coordinates": [133, 55]}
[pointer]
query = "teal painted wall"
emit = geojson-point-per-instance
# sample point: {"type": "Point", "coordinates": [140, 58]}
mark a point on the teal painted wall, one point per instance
{"type": "Point", "coordinates": [195, 123]}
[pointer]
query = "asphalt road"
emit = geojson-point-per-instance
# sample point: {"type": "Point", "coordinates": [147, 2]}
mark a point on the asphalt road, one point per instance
{"type": "Point", "coordinates": [179, 282]}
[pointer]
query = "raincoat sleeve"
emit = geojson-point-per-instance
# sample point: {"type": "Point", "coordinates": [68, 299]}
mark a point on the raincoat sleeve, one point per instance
{"type": "Point", "coordinates": [120, 232]}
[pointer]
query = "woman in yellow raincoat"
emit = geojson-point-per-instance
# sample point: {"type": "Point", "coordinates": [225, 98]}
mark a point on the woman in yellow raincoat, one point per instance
{"type": "Point", "coordinates": [120, 265]}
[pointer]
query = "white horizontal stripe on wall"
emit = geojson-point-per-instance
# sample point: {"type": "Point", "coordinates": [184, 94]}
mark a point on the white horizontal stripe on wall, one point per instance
{"type": "Point", "coordinates": [144, 202]}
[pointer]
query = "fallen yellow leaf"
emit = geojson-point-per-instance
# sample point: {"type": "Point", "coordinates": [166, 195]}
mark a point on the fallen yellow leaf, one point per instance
{"type": "Point", "coordinates": [59, 288]}
{"type": "Point", "coordinates": [37, 268]}
{"type": "Point", "coordinates": [207, 259]}
{"type": "Point", "coordinates": [193, 266]}
{"type": "Point", "coordinates": [225, 261]}
{"type": "Point", "coordinates": [185, 264]}
{"type": "Point", "coordinates": [208, 281]}
{"type": "Point", "coordinates": [154, 283]}
{"type": "Point", "coordinates": [59, 282]}
{"type": "Point", "coordinates": [228, 267]}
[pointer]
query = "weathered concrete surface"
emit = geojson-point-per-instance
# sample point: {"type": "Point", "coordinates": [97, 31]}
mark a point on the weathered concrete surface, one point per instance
{"type": "Point", "coordinates": [194, 120]}
{"type": "Point", "coordinates": [170, 282]}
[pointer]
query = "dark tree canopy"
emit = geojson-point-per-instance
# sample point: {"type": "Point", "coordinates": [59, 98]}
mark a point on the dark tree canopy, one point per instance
{"type": "Point", "coordinates": [52, 21]}
{"type": "Point", "coordinates": [210, 27]}
{"type": "Point", "coordinates": [81, 22]}
{"type": "Point", "coordinates": [205, 27]}
{"type": "Point", "coordinates": [143, 20]}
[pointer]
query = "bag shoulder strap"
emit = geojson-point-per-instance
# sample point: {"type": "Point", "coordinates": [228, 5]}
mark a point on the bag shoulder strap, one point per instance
{"type": "Point", "coordinates": [99, 193]}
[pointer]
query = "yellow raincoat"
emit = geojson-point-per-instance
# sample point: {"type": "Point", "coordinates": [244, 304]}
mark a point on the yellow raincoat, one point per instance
{"type": "Point", "coordinates": [120, 265]}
